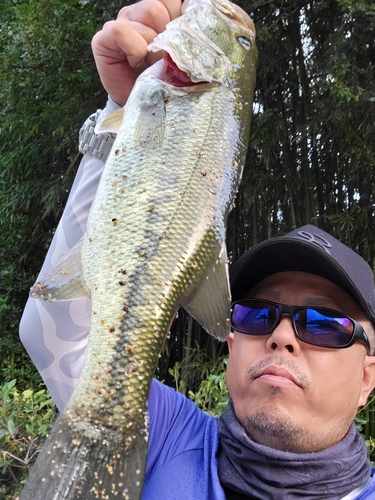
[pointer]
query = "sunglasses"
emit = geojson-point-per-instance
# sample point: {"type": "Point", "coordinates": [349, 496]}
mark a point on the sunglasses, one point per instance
{"type": "Point", "coordinates": [313, 325]}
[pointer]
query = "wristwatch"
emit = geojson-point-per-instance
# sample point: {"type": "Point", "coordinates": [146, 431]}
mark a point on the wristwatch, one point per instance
{"type": "Point", "coordinates": [98, 145]}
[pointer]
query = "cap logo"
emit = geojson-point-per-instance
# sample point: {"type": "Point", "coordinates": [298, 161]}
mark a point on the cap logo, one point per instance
{"type": "Point", "coordinates": [316, 239]}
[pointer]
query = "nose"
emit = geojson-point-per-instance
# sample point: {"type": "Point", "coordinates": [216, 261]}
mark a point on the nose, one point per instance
{"type": "Point", "coordinates": [283, 337]}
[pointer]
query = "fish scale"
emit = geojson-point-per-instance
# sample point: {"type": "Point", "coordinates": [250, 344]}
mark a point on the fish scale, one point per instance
{"type": "Point", "coordinates": [155, 241]}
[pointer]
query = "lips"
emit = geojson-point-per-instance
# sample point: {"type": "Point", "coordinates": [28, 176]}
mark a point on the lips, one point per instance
{"type": "Point", "coordinates": [275, 373]}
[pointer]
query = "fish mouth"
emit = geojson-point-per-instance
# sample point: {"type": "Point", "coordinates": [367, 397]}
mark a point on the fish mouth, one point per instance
{"type": "Point", "coordinates": [174, 76]}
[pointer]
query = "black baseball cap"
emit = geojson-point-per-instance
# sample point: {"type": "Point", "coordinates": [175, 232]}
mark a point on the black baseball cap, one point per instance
{"type": "Point", "coordinates": [311, 250]}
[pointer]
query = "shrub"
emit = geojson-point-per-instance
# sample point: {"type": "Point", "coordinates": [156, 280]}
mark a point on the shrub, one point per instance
{"type": "Point", "coordinates": [25, 420]}
{"type": "Point", "coordinates": [203, 380]}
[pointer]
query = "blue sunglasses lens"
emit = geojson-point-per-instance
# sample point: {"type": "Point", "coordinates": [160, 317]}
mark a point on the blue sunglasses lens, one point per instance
{"type": "Point", "coordinates": [319, 327]}
{"type": "Point", "coordinates": [255, 319]}
{"type": "Point", "coordinates": [323, 328]}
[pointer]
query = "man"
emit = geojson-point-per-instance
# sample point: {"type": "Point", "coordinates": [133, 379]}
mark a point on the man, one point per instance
{"type": "Point", "coordinates": [294, 385]}
{"type": "Point", "coordinates": [301, 350]}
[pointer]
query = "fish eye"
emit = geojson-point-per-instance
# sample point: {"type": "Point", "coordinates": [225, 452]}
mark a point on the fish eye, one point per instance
{"type": "Point", "coordinates": [245, 42]}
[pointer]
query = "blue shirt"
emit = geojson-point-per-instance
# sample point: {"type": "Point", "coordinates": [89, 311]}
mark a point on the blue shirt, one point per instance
{"type": "Point", "coordinates": [183, 443]}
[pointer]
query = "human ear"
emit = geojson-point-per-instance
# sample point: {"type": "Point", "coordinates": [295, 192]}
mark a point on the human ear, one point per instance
{"type": "Point", "coordinates": [230, 341]}
{"type": "Point", "coordinates": [368, 379]}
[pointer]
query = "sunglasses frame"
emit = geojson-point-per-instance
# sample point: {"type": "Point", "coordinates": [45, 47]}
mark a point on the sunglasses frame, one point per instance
{"type": "Point", "coordinates": [359, 334]}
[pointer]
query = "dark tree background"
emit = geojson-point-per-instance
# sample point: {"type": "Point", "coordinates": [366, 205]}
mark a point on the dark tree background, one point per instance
{"type": "Point", "coordinates": [311, 156]}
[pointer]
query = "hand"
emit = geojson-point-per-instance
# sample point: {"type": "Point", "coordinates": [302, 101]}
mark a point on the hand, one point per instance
{"type": "Point", "coordinates": [120, 48]}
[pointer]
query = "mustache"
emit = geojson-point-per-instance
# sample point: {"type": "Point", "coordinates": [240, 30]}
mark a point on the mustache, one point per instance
{"type": "Point", "coordinates": [256, 369]}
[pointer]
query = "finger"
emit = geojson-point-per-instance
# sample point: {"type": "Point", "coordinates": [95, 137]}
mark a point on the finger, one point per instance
{"type": "Point", "coordinates": [155, 14]}
{"type": "Point", "coordinates": [173, 7]}
{"type": "Point", "coordinates": [123, 40]}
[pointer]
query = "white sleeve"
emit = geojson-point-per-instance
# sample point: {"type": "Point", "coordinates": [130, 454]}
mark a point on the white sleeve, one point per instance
{"type": "Point", "coordinates": [55, 334]}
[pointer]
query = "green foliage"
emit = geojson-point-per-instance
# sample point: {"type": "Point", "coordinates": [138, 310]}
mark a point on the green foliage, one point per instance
{"type": "Point", "coordinates": [203, 379]}
{"type": "Point", "coordinates": [15, 364]}
{"type": "Point", "coordinates": [212, 395]}
{"type": "Point", "coordinates": [188, 373]}
{"type": "Point", "coordinates": [25, 420]}
{"type": "Point", "coordinates": [365, 422]}
{"type": "Point", "coordinates": [45, 53]}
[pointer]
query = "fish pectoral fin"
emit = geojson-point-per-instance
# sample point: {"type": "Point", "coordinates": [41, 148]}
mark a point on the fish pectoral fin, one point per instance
{"type": "Point", "coordinates": [64, 281]}
{"type": "Point", "coordinates": [150, 126]}
{"type": "Point", "coordinates": [210, 302]}
{"type": "Point", "coordinates": [111, 122]}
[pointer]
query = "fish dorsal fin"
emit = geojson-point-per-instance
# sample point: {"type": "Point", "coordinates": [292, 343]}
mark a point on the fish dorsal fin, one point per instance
{"type": "Point", "coordinates": [111, 122]}
{"type": "Point", "coordinates": [64, 281]}
{"type": "Point", "coordinates": [210, 302]}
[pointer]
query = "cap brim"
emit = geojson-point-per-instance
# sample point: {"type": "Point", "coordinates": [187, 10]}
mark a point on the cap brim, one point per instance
{"type": "Point", "coordinates": [288, 254]}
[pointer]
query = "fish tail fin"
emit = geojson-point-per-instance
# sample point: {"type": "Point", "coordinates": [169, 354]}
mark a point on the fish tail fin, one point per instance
{"type": "Point", "coordinates": [73, 467]}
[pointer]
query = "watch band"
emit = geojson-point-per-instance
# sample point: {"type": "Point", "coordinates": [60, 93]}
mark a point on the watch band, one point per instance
{"type": "Point", "coordinates": [98, 145]}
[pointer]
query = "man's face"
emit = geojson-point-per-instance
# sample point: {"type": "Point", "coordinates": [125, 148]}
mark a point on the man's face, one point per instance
{"type": "Point", "coordinates": [290, 395]}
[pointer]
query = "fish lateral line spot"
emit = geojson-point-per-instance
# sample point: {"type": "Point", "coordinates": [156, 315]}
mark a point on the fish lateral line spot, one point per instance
{"type": "Point", "coordinates": [129, 349]}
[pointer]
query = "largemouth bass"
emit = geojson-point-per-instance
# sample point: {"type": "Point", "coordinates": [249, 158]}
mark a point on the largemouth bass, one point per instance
{"type": "Point", "coordinates": [155, 241]}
